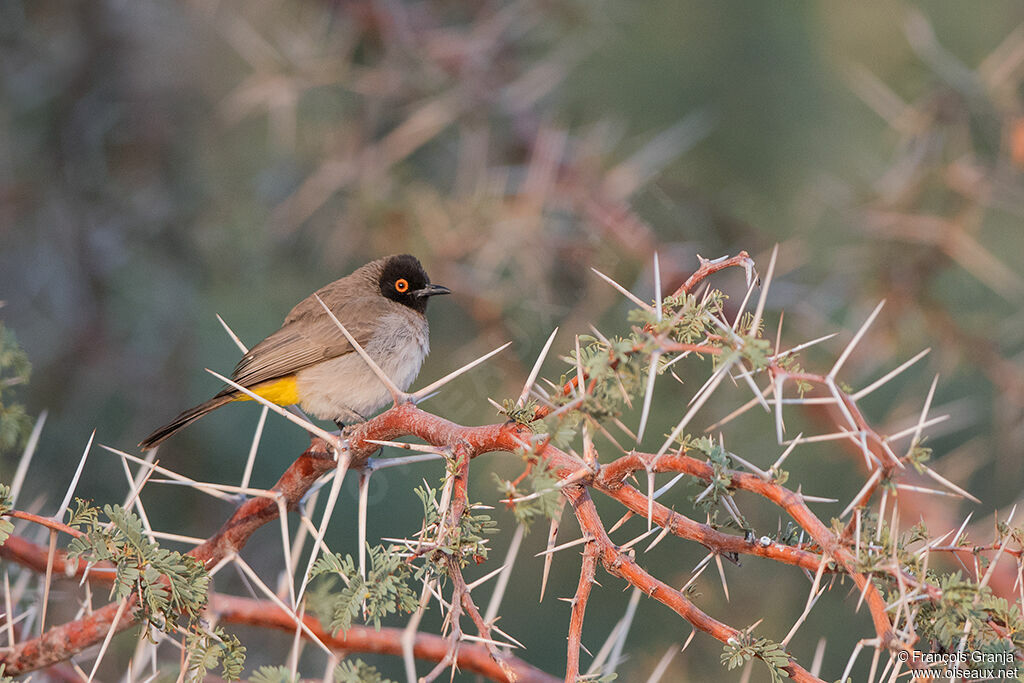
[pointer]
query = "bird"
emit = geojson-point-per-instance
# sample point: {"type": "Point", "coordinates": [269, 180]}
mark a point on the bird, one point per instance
{"type": "Point", "coordinates": [309, 361]}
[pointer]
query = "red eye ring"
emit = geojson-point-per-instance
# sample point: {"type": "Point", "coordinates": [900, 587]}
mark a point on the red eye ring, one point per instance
{"type": "Point", "coordinates": [401, 285]}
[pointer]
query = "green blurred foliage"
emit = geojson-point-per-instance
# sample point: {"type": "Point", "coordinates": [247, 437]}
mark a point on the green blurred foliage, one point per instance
{"type": "Point", "coordinates": [161, 163]}
{"type": "Point", "coordinates": [15, 370]}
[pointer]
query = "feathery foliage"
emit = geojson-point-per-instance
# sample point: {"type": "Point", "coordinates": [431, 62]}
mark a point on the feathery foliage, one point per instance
{"type": "Point", "coordinates": [385, 590]}
{"type": "Point", "coordinates": [15, 370]}
{"type": "Point", "coordinates": [6, 528]}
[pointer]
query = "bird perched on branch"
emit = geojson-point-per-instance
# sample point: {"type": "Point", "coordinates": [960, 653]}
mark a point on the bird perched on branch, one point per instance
{"type": "Point", "coordinates": [310, 362]}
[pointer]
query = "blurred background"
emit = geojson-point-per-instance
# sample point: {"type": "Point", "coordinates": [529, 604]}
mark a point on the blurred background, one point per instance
{"type": "Point", "coordinates": [164, 162]}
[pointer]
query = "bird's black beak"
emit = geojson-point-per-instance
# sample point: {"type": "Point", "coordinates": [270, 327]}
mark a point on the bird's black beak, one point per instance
{"type": "Point", "coordinates": [431, 290]}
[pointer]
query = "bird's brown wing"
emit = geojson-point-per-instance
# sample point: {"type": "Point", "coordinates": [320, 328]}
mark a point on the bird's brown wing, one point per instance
{"type": "Point", "coordinates": [306, 339]}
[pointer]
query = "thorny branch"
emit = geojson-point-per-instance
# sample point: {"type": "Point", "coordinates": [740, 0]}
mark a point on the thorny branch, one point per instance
{"type": "Point", "coordinates": [409, 420]}
{"type": "Point", "coordinates": [464, 443]}
{"type": "Point", "coordinates": [579, 606]}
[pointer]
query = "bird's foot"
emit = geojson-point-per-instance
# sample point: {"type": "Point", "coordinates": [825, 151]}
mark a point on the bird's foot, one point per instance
{"type": "Point", "coordinates": [347, 421]}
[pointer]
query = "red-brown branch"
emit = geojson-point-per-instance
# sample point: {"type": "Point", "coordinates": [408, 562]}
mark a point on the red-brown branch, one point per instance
{"type": "Point", "coordinates": [620, 564]}
{"type": "Point", "coordinates": [713, 539]}
{"type": "Point", "coordinates": [483, 629]}
{"type": "Point", "coordinates": [794, 505]}
{"type": "Point", "coordinates": [427, 647]}
{"type": "Point", "coordinates": [579, 608]}
{"type": "Point", "coordinates": [707, 268]}
{"type": "Point", "coordinates": [48, 522]}
{"type": "Point", "coordinates": [66, 640]}
{"type": "Point", "coordinates": [260, 613]}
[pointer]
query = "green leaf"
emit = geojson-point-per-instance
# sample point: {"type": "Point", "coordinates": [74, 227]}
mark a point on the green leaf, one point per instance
{"type": "Point", "coordinates": [273, 674]}
{"type": "Point", "coordinates": [14, 372]}
{"type": "Point", "coordinates": [6, 527]}
{"type": "Point", "coordinates": [745, 646]}
{"type": "Point", "coordinates": [385, 590]}
{"type": "Point", "coordinates": [206, 650]}
{"type": "Point", "coordinates": [358, 671]}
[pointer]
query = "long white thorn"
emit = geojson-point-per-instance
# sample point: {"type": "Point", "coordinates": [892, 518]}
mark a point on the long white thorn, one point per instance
{"type": "Point", "coordinates": [875, 476]}
{"type": "Point", "coordinates": [581, 384]}
{"type": "Point", "coordinates": [667, 487]}
{"type": "Point", "coordinates": [397, 394]}
{"type": "Point", "coordinates": [924, 415]}
{"type": "Point", "coordinates": [801, 347]}
{"type": "Point", "coordinates": [627, 621]}
{"type": "Point", "coordinates": [552, 536]}
{"type": "Point", "coordinates": [506, 573]}
{"type": "Point", "coordinates": [332, 499]}
{"type": "Point", "coordinates": [364, 494]}
{"type": "Point", "coordinates": [50, 555]}
{"type": "Point", "coordinates": [650, 499]}
{"type": "Point", "coordinates": [282, 516]}
{"type": "Point", "coordinates": [188, 540]}
{"type": "Point", "coordinates": [785, 453]}
{"type": "Point", "coordinates": [26, 457]}
{"type": "Point", "coordinates": [960, 531]}
{"type": "Point", "coordinates": [625, 292]}
{"type": "Point", "coordinates": [853, 656]}
{"type": "Point", "coordinates": [657, 286]}
{"type": "Point", "coordinates": [925, 489]}
{"type": "Point", "coordinates": [812, 599]}
{"type": "Point", "coordinates": [570, 544]}
{"type": "Point", "coordinates": [536, 370]}
{"type": "Point", "coordinates": [384, 463]}
{"type": "Point", "coordinates": [226, 488]}
{"type": "Point", "coordinates": [135, 488]}
{"type": "Point", "coordinates": [739, 411]}
{"type": "Point", "coordinates": [293, 656]}
{"type": "Point", "coordinates": [140, 477]}
{"type": "Point", "coordinates": [764, 291]}
{"type": "Point", "coordinates": [430, 388]}
{"type": "Point", "coordinates": [251, 460]}
{"type": "Point", "coordinates": [659, 538]}
{"type": "Point", "coordinates": [485, 578]}
{"type": "Point", "coordinates": [721, 373]}
{"type": "Point", "coordinates": [728, 330]}
{"type": "Point", "coordinates": [817, 499]}
{"type": "Point", "coordinates": [750, 466]}
{"type": "Point", "coordinates": [106, 640]}
{"type": "Point", "coordinates": [254, 577]}
{"type": "Point", "coordinates": [780, 425]}
{"type": "Point", "coordinates": [409, 634]}
{"type": "Point", "coordinates": [305, 424]}
{"type": "Point", "coordinates": [74, 480]}
{"type": "Point", "coordinates": [903, 433]}
{"type": "Point", "coordinates": [888, 376]}
{"type": "Point", "coordinates": [234, 337]}
{"type": "Point", "coordinates": [743, 306]}
{"type": "Point", "coordinates": [721, 575]}
{"type": "Point", "coordinates": [601, 657]}
{"type": "Point", "coordinates": [856, 339]}
{"type": "Point", "coordinates": [948, 484]}
{"type": "Point", "coordinates": [9, 610]}
{"type": "Point", "coordinates": [215, 490]}
{"type": "Point", "coordinates": [999, 553]}
{"type": "Point", "coordinates": [663, 664]}
{"type": "Point", "coordinates": [404, 445]}
{"type": "Point", "coordinates": [840, 403]}
{"type": "Point", "coordinates": [758, 394]}
{"type": "Point", "coordinates": [652, 373]}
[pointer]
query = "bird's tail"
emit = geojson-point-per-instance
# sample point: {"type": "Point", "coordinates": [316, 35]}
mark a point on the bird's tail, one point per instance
{"type": "Point", "coordinates": [185, 419]}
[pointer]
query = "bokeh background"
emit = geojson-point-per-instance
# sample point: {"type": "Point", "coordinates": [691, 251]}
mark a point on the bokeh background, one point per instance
{"type": "Point", "coordinates": [164, 162]}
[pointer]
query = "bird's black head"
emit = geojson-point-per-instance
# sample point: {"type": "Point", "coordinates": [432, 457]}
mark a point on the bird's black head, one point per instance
{"type": "Point", "coordinates": [403, 279]}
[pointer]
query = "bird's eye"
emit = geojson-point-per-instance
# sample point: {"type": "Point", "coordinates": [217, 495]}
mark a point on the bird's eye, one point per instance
{"type": "Point", "coordinates": [401, 285]}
